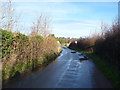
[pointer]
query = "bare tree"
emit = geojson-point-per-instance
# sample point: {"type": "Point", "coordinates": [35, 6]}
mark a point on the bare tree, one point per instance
{"type": "Point", "coordinates": [8, 20]}
{"type": "Point", "coordinates": [41, 26]}
{"type": "Point", "coordinates": [104, 28]}
{"type": "Point", "coordinates": [9, 15]}
{"type": "Point", "coordinates": [2, 13]}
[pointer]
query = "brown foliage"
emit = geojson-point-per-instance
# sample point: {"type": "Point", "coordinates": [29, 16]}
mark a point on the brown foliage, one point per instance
{"type": "Point", "coordinates": [108, 45]}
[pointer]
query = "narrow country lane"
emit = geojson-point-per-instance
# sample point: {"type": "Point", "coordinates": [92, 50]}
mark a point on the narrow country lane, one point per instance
{"type": "Point", "coordinates": [66, 72]}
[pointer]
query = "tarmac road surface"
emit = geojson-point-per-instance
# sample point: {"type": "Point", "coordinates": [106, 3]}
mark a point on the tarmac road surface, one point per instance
{"type": "Point", "coordinates": [66, 72]}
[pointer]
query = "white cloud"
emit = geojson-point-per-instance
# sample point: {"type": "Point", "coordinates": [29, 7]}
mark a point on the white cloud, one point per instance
{"type": "Point", "coordinates": [75, 30]}
{"type": "Point", "coordinates": [51, 9]}
{"type": "Point", "coordinates": [87, 24]}
{"type": "Point", "coordinates": [91, 23]}
{"type": "Point", "coordinates": [71, 33]}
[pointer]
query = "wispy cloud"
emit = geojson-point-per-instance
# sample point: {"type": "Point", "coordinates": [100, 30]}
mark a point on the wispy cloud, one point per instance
{"type": "Point", "coordinates": [70, 19]}
{"type": "Point", "coordinates": [78, 22]}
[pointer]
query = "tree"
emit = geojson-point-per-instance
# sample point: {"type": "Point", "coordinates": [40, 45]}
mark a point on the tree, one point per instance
{"type": "Point", "coordinates": [9, 14]}
{"type": "Point", "coordinates": [8, 20]}
{"type": "Point", "coordinates": [41, 26]}
{"type": "Point", "coordinates": [2, 13]}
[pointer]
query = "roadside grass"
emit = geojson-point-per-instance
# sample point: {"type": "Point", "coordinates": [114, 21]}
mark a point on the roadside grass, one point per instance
{"type": "Point", "coordinates": [109, 71]}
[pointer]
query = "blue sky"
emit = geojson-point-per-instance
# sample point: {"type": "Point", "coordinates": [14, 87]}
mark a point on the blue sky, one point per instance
{"type": "Point", "coordinates": [69, 19]}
